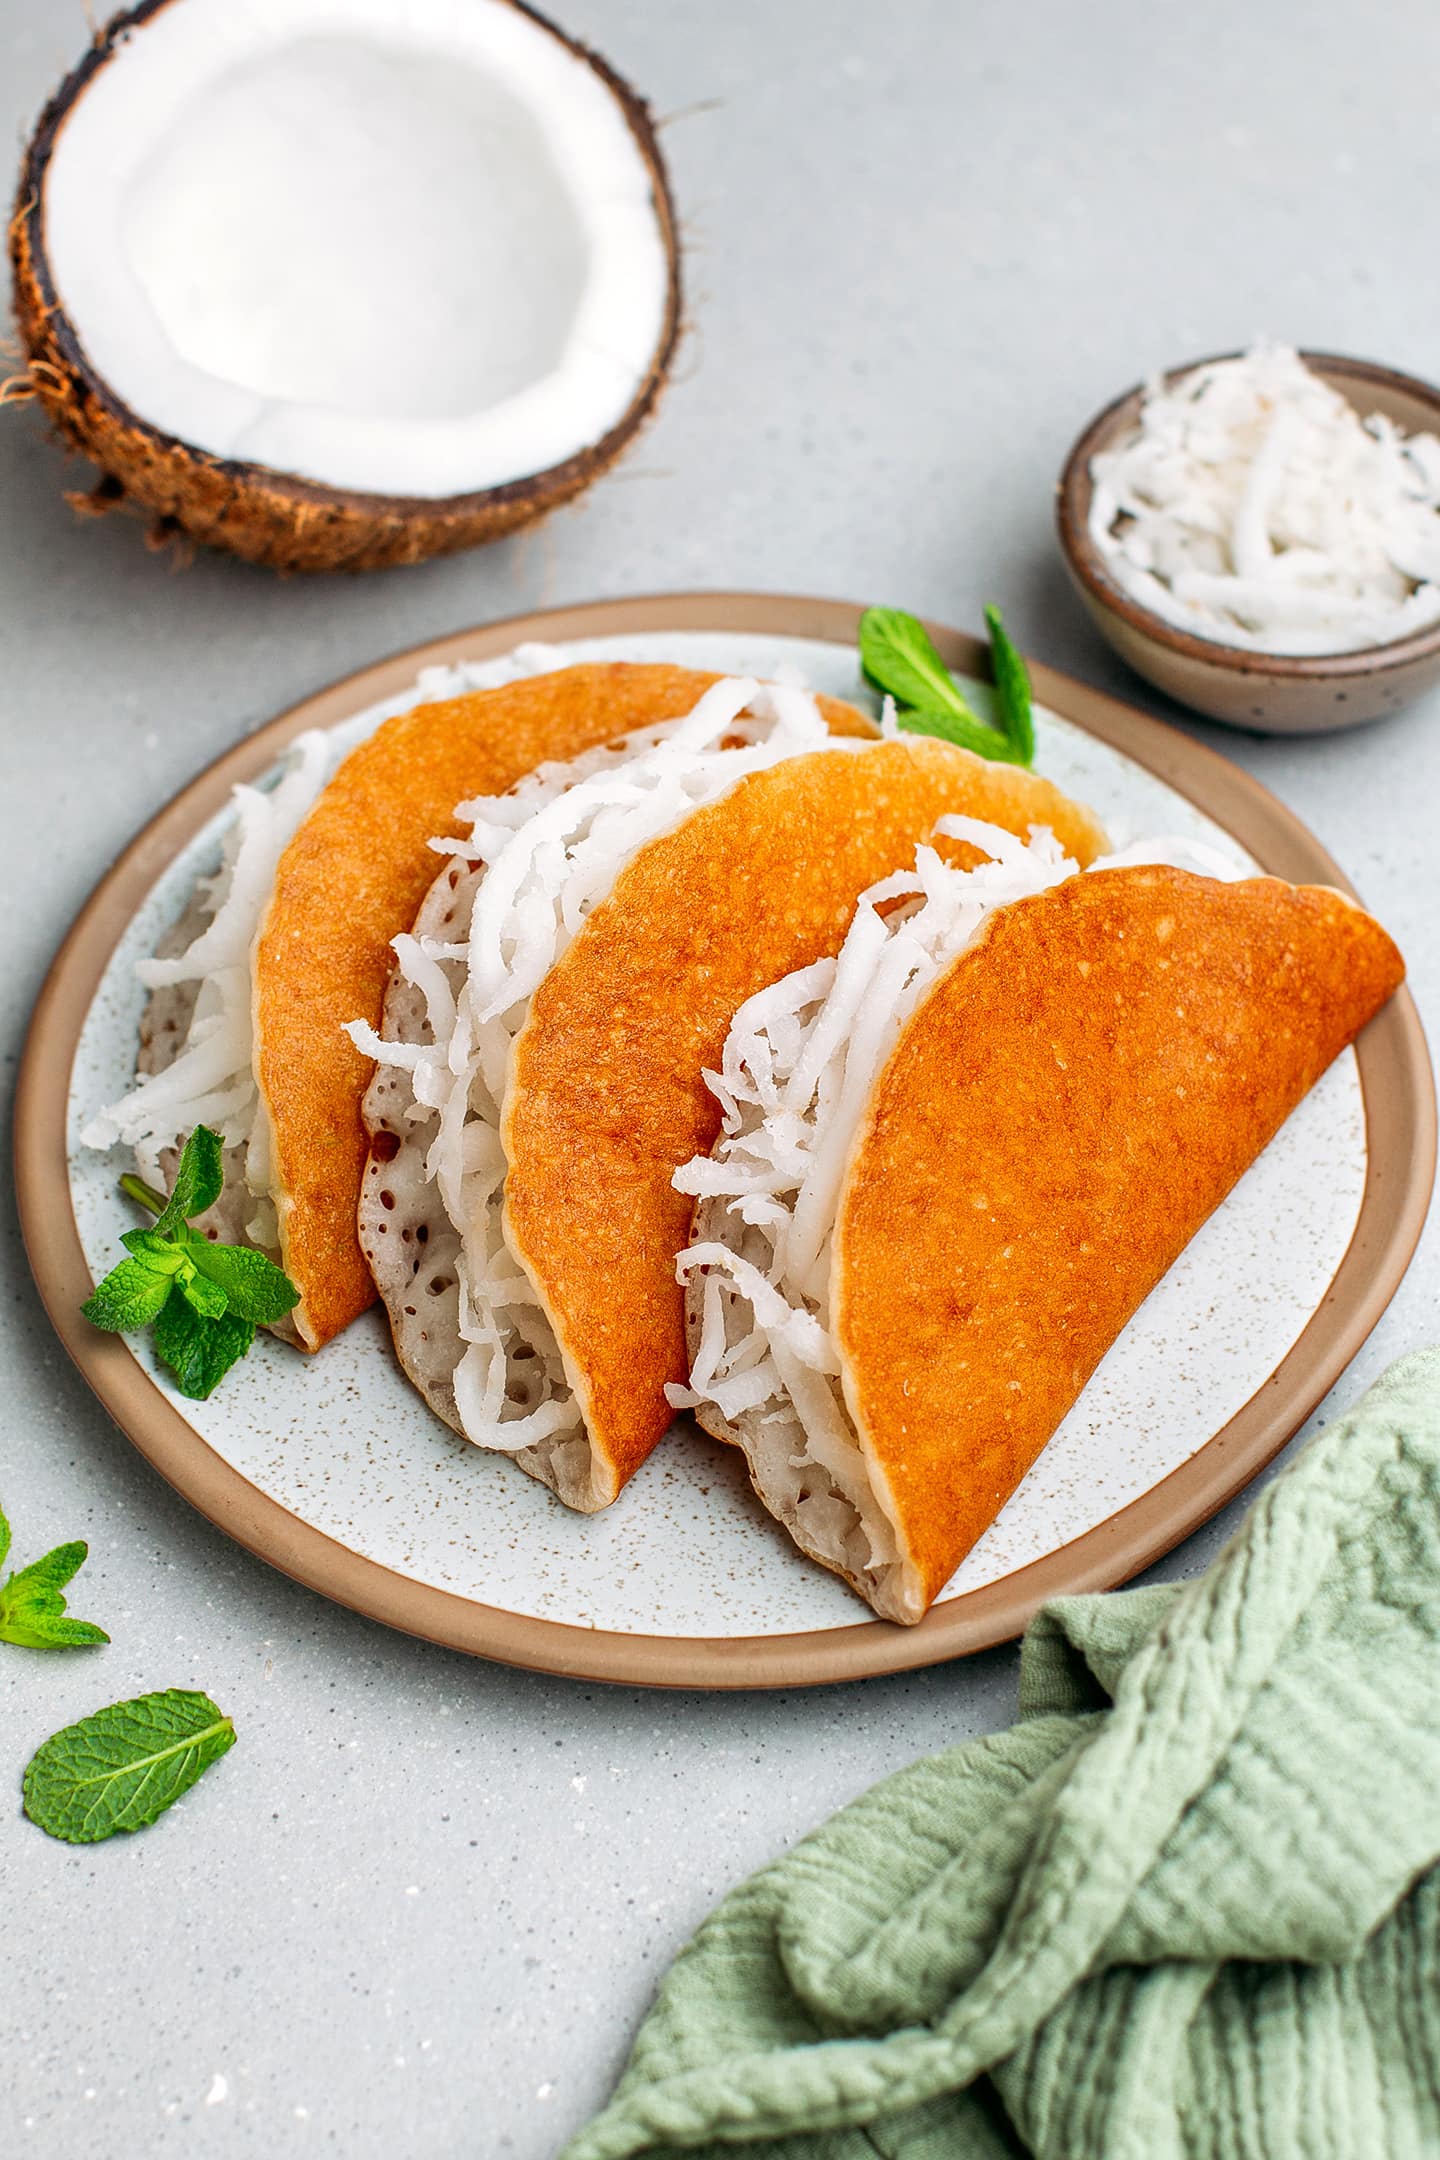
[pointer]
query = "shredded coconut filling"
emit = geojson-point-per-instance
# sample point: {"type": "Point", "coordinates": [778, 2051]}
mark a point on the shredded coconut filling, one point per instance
{"type": "Point", "coordinates": [799, 1065]}
{"type": "Point", "coordinates": [211, 1080]}
{"type": "Point", "coordinates": [552, 850]}
{"type": "Point", "coordinates": [1254, 506]}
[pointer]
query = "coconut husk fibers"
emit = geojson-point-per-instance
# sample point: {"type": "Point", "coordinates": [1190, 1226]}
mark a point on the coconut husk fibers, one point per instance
{"type": "Point", "coordinates": [1075, 1096]}
{"type": "Point", "coordinates": [282, 519]}
{"type": "Point", "coordinates": [607, 1094]}
{"type": "Point", "coordinates": [354, 874]}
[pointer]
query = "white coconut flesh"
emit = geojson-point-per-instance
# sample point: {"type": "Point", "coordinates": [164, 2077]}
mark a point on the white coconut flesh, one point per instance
{"type": "Point", "coordinates": [550, 852]}
{"type": "Point", "coordinates": [407, 251]}
{"type": "Point", "coordinates": [799, 1066]}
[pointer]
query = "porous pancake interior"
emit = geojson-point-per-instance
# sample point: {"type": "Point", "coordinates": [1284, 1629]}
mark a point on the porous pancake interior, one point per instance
{"type": "Point", "coordinates": [799, 1066]}
{"type": "Point", "coordinates": [414, 1250]}
{"type": "Point", "coordinates": [197, 1039]}
{"type": "Point", "coordinates": [518, 890]}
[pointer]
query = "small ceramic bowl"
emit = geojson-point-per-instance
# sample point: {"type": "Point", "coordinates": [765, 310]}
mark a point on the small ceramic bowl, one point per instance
{"type": "Point", "coordinates": [1271, 693]}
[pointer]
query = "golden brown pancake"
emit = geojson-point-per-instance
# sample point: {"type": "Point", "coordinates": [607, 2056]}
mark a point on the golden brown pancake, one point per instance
{"type": "Point", "coordinates": [1078, 1092]}
{"type": "Point", "coordinates": [607, 1095]}
{"type": "Point", "coordinates": [352, 877]}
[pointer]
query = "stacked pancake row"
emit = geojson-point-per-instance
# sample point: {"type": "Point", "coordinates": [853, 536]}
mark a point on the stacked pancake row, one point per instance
{"type": "Point", "coordinates": [657, 1043]}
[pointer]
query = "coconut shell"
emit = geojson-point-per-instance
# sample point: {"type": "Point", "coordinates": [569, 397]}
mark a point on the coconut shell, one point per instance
{"type": "Point", "coordinates": [1073, 1099]}
{"type": "Point", "coordinates": [282, 519]}
{"type": "Point", "coordinates": [608, 1096]}
{"type": "Point", "coordinates": [353, 876]}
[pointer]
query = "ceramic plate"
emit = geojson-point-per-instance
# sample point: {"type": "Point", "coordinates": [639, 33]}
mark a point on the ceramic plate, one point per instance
{"type": "Point", "coordinates": [333, 1469]}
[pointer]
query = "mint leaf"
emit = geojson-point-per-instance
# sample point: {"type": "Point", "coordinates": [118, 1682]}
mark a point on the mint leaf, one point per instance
{"type": "Point", "coordinates": [51, 1631]}
{"type": "Point", "coordinates": [32, 1602]}
{"type": "Point", "coordinates": [198, 1180]}
{"type": "Point", "coordinates": [205, 1297]}
{"type": "Point", "coordinates": [128, 1297]}
{"type": "Point", "coordinates": [1012, 688]}
{"type": "Point", "coordinates": [986, 742]}
{"type": "Point", "coordinates": [898, 656]}
{"type": "Point", "coordinates": [125, 1765]}
{"type": "Point", "coordinates": [199, 1352]}
{"type": "Point", "coordinates": [165, 1257]}
{"type": "Point", "coordinates": [4, 1537]}
{"type": "Point", "coordinates": [257, 1290]}
{"type": "Point", "coordinates": [52, 1571]}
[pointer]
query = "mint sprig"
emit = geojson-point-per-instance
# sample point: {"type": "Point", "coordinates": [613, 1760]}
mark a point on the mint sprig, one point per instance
{"type": "Point", "coordinates": [32, 1601]}
{"type": "Point", "coordinates": [898, 656]}
{"type": "Point", "coordinates": [204, 1300]}
{"type": "Point", "coordinates": [1012, 687]}
{"type": "Point", "coordinates": [120, 1768]}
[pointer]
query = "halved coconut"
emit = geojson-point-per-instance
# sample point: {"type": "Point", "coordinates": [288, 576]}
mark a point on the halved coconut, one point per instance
{"type": "Point", "coordinates": [341, 283]}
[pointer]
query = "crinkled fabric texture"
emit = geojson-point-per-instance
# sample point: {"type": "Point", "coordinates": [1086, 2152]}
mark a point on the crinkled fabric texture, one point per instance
{"type": "Point", "coordinates": [1185, 1909]}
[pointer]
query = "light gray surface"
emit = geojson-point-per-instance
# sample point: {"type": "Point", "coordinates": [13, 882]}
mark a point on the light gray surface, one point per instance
{"type": "Point", "coordinates": [420, 1906]}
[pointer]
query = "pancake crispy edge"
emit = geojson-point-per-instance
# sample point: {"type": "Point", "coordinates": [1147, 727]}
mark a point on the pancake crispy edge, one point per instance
{"type": "Point", "coordinates": [607, 1095]}
{"type": "Point", "coordinates": [357, 872]}
{"type": "Point", "coordinates": [1072, 1100]}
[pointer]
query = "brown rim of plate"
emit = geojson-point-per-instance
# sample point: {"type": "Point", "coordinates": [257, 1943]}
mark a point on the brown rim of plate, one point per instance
{"type": "Point", "coordinates": [1400, 1127]}
{"type": "Point", "coordinates": [1072, 517]}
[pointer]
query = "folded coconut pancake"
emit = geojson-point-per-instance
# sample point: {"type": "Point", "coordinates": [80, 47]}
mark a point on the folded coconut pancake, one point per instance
{"type": "Point", "coordinates": [291, 939]}
{"type": "Point", "coordinates": [570, 975]}
{"type": "Point", "coordinates": [957, 1158]}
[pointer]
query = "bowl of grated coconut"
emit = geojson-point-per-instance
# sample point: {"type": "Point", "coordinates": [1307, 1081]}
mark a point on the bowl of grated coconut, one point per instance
{"type": "Point", "coordinates": [1259, 536]}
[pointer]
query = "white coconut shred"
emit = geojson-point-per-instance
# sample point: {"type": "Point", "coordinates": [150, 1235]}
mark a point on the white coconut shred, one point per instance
{"type": "Point", "coordinates": [552, 849]}
{"type": "Point", "coordinates": [799, 1065]}
{"type": "Point", "coordinates": [211, 1079]}
{"type": "Point", "coordinates": [1254, 506]}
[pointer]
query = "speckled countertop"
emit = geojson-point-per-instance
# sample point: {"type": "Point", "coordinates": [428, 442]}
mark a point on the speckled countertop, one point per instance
{"type": "Point", "coordinates": [420, 1906]}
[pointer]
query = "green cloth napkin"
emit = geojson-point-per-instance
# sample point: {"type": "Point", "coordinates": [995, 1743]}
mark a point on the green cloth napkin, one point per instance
{"type": "Point", "coordinates": [1186, 1906]}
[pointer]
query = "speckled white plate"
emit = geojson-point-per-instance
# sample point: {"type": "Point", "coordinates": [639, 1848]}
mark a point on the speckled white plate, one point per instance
{"type": "Point", "coordinates": [334, 1469]}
